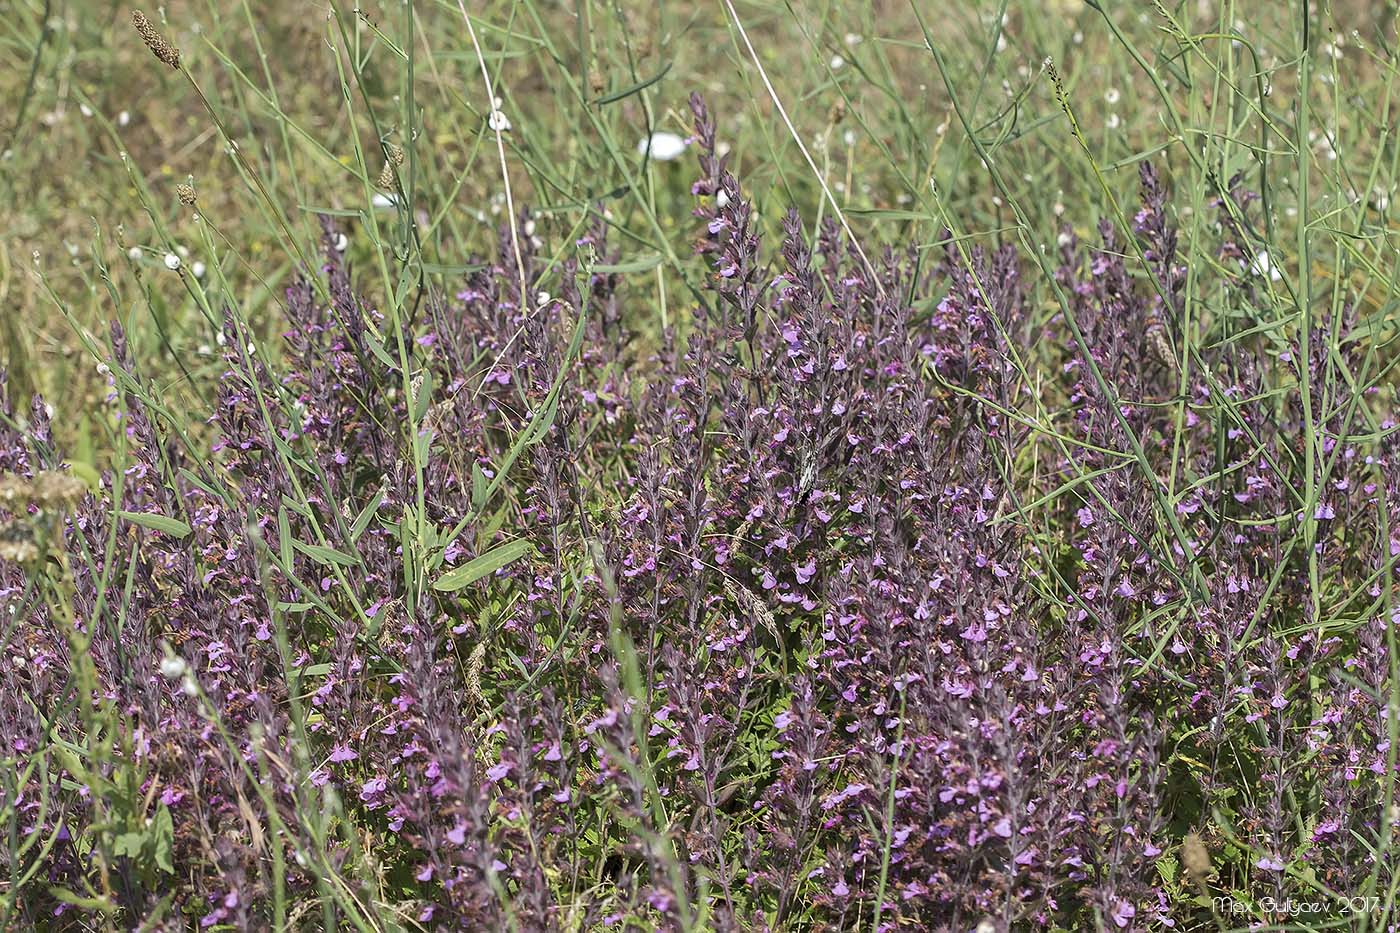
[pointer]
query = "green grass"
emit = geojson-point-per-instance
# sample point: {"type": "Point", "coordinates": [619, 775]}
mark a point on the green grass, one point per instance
{"type": "Point", "coordinates": [102, 134]}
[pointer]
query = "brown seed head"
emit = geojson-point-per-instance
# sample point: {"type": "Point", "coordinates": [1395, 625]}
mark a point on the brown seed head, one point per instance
{"type": "Point", "coordinates": [386, 176]}
{"type": "Point", "coordinates": [155, 41]}
{"type": "Point", "coordinates": [186, 194]}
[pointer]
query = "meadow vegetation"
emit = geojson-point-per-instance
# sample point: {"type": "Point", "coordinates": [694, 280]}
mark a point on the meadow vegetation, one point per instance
{"type": "Point", "coordinates": [750, 466]}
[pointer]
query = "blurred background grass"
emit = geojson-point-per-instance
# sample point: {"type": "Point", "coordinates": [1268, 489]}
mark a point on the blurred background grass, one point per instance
{"type": "Point", "coordinates": [97, 135]}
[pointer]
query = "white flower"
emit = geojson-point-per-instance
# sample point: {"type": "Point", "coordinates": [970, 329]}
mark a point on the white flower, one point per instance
{"type": "Point", "coordinates": [1263, 265]}
{"type": "Point", "coordinates": [189, 686]}
{"type": "Point", "coordinates": [172, 262]}
{"type": "Point", "coordinates": [342, 242]}
{"type": "Point", "coordinates": [172, 668]}
{"type": "Point", "coordinates": [123, 118]}
{"type": "Point", "coordinates": [722, 199]}
{"type": "Point", "coordinates": [542, 299]}
{"type": "Point", "coordinates": [853, 40]}
{"type": "Point", "coordinates": [662, 147]}
{"type": "Point", "coordinates": [837, 62]}
{"type": "Point", "coordinates": [85, 110]}
{"type": "Point", "coordinates": [383, 202]}
{"type": "Point", "coordinates": [197, 269]}
{"type": "Point", "coordinates": [1112, 95]}
{"type": "Point", "coordinates": [134, 252]}
{"type": "Point", "coordinates": [498, 121]}
{"type": "Point", "coordinates": [849, 137]}
{"type": "Point", "coordinates": [1113, 121]}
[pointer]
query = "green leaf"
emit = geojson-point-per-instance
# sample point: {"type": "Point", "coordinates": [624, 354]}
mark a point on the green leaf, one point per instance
{"type": "Point", "coordinates": [889, 213]}
{"type": "Point", "coordinates": [163, 831]}
{"type": "Point", "coordinates": [484, 565]}
{"type": "Point", "coordinates": [290, 455]}
{"type": "Point", "coordinates": [128, 844]}
{"type": "Point", "coordinates": [381, 354]}
{"type": "Point", "coordinates": [634, 89]}
{"type": "Point", "coordinates": [324, 555]}
{"type": "Point", "coordinates": [157, 522]}
{"type": "Point", "coordinates": [77, 900]}
{"type": "Point", "coordinates": [478, 487]}
{"type": "Point", "coordinates": [330, 211]}
{"type": "Point", "coordinates": [83, 471]}
{"type": "Point", "coordinates": [362, 520]}
{"type": "Point", "coordinates": [284, 538]}
{"type": "Point", "coordinates": [640, 264]}
{"type": "Point", "coordinates": [444, 268]}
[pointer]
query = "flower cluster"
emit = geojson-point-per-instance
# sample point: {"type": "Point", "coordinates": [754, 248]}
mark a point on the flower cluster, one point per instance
{"type": "Point", "coordinates": [872, 595]}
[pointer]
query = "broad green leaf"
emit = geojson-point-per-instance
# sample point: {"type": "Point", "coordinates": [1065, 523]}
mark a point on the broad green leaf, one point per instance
{"type": "Point", "coordinates": [163, 832]}
{"type": "Point", "coordinates": [484, 565]}
{"type": "Point", "coordinates": [157, 522]}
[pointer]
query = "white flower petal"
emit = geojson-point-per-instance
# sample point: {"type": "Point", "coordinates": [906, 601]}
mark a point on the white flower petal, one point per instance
{"type": "Point", "coordinates": [662, 147]}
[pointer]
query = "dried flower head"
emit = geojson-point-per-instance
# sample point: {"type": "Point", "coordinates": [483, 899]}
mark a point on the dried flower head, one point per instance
{"type": "Point", "coordinates": [159, 47]}
{"type": "Point", "coordinates": [1195, 858]}
{"type": "Point", "coordinates": [17, 543]}
{"type": "Point", "coordinates": [14, 490]}
{"type": "Point", "coordinates": [186, 194]}
{"type": "Point", "coordinates": [386, 176]}
{"type": "Point", "coordinates": [52, 489]}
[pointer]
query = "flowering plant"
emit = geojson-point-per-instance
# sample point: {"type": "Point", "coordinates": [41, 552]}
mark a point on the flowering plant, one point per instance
{"type": "Point", "coordinates": [872, 595]}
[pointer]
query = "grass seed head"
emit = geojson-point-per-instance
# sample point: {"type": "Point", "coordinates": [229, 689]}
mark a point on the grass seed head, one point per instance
{"type": "Point", "coordinates": [159, 47]}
